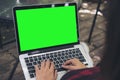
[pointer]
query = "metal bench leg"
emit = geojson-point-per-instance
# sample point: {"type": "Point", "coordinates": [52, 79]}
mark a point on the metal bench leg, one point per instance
{"type": "Point", "coordinates": [94, 21]}
{"type": "Point", "coordinates": [0, 39]}
{"type": "Point", "coordinates": [13, 70]}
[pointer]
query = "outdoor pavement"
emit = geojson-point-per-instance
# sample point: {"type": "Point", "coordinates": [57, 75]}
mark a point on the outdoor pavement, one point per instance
{"type": "Point", "coordinates": [8, 54]}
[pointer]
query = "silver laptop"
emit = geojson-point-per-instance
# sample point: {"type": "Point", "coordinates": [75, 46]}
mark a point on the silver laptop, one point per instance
{"type": "Point", "coordinates": [48, 32]}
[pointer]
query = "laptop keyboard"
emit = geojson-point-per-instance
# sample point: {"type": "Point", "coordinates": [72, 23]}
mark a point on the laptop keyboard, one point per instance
{"type": "Point", "coordinates": [57, 57]}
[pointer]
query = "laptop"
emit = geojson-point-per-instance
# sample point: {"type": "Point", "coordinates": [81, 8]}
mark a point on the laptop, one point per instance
{"type": "Point", "coordinates": [48, 32]}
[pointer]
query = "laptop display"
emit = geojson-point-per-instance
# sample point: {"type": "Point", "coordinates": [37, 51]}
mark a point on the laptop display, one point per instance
{"type": "Point", "coordinates": [46, 27]}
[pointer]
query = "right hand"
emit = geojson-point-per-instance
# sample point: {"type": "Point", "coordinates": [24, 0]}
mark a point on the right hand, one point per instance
{"type": "Point", "coordinates": [73, 64]}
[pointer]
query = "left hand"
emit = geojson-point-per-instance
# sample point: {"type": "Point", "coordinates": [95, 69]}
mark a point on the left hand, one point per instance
{"type": "Point", "coordinates": [46, 71]}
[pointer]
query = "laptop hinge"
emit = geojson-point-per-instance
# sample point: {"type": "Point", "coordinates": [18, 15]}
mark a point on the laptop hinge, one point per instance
{"type": "Point", "coordinates": [49, 49]}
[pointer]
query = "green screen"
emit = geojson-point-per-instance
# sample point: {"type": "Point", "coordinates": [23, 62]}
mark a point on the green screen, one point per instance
{"type": "Point", "coordinates": [46, 27]}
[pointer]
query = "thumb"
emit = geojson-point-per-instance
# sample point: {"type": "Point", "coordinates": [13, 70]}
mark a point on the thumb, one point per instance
{"type": "Point", "coordinates": [69, 67]}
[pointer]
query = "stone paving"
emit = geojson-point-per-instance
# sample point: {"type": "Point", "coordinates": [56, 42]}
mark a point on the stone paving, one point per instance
{"type": "Point", "coordinates": [9, 54]}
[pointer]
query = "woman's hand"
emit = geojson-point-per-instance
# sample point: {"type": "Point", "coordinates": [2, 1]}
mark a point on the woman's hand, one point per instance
{"type": "Point", "coordinates": [46, 71]}
{"type": "Point", "coordinates": [73, 64]}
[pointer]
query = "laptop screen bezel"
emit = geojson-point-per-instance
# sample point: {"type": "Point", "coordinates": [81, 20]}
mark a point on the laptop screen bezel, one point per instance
{"type": "Point", "coordinates": [43, 6]}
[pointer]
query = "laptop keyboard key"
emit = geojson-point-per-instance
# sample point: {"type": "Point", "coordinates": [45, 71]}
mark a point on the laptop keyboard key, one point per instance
{"type": "Point", "coordinates": [82, 60]}
{"type": "Point", "coordinates": [32, 75]}
{"type": "Point", "coordinates": [35, 59]}
{"type": "Point", "coordinates": [31, 60]}
{"type": "Point", "coordinates": [29, 64]}
{"type": "Point", "coordinates": [31, 71]}
{"type": "Point", "coordinates": [38, 62]}
{"type": "Point", "coordinates": [34, 63]}
{"type": "Point", "coordinates": [86, 64]}
{"type": "Point", "coordinates": [30, 68]}
{"type": "Point", "coordinates": [27, 61]}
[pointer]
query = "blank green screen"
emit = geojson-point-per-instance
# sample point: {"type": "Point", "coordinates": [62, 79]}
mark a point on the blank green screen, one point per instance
{"type": "Point", "coordinates": [46, 27]}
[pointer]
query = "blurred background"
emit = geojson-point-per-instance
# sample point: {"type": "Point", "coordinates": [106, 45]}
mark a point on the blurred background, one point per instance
{"type": "Point", "coordinates": [88, 19]}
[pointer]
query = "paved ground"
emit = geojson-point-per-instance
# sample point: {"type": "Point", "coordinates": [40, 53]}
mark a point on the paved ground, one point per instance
{"type": "Point", "coordinates": [8, 54]}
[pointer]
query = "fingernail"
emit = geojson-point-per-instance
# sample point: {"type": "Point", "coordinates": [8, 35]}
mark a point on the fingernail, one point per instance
{"type": "Point", "coordinates": [56, 70]}
{"type": "Point", "coordinates": [44, 60]}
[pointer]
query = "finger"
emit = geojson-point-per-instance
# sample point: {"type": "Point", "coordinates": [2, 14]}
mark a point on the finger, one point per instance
{"type": "Point", "coordinates": [43, 65]}
{"type": "Point", "coordinates": [39, 66]}
{"type": "Point", "coordinates": [47, 64]}
{"type": "Point", "coordinates": [76, 61]}
{"type": "Point", "coordinates": [36, 68]}
{"type": "Point", "coordinates": [52, 67]}
{"type": "Point", "coordinates": [69, 67]}
{"type": "Point", "coordinates": [67, 62]}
